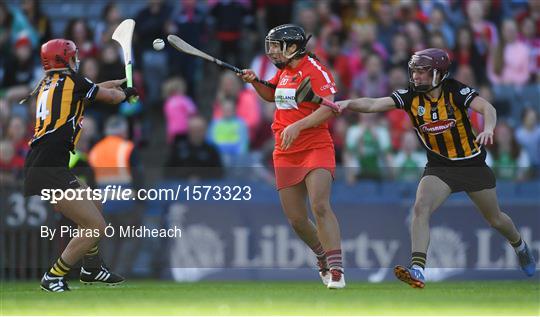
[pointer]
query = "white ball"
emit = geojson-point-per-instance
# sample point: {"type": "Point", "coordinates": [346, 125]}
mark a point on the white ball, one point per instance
{"type": "Point", "coordinates": [158, 44]}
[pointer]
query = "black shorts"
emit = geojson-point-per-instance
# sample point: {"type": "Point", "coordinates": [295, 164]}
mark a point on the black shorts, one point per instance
{"type": "Point", "coordinates": [47, 167]}
{"type": "Point", "coordinates": [468, 176]}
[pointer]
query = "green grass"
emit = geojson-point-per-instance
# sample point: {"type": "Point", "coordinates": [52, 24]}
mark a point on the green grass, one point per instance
{"type": "Point", "coordinates": [274, 298]}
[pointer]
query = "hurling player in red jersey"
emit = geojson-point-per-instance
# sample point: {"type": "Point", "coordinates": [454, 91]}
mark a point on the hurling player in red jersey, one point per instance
{"type": "Point", "coordinates": [304, 158]}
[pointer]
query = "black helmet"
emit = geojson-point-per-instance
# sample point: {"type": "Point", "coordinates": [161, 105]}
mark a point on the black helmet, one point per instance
{"type": "Point", "coordinates": [286, 35]}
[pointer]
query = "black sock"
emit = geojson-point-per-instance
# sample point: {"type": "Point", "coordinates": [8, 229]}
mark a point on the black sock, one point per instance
{"type": "Point", "coordinates": [419, 258]}
{"type": "Point", "coordinates": [91, 259]}
{"type": "Point", "coordinates": [60, 268]}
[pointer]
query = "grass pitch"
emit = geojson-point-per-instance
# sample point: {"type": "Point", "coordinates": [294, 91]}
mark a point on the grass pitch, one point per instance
{"type": "Point", "coordinates": [274, 298]}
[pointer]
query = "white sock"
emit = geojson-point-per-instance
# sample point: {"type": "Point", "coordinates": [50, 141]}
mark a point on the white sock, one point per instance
{"type": "Point", "coordinates": [520, 247]}
{"type": "Point", "coordinates": [418, 267]}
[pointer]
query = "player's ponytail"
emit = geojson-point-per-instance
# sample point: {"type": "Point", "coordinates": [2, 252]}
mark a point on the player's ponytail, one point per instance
{"type": "Point", "coordinates": [34, 91]}
{"type": "Point", "coordinates": [312, 55]}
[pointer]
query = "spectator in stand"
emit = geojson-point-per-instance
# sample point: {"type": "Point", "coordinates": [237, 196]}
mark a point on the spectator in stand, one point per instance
{"type": "Point", "coordinates": [436, 40]}
{"type": "Point", "coordinates": [6, 22]}
{"type": "Point", "coordinates": [14, 24]}
{"type": "Point", "coordinates": [400, 53]}
{"type": "Point", "coordinates": [372, 82]}
{"type": "Point", "coordinates": [229, 19]}
{"type": "Point", "coordinates": [386, 24]}
{"type": "Point", "coordinates": [465, 74]}
{"type": "Point", "coordinates": [230, 134]}
{"type": "Point", "coordinates": [485, 32]}
{"type": "Point", "coordinates": [367, 148]}
{"type": "Point", "coordinates": [437, 23]}
{"type": "Point", "coordinates": [339, 63]}
{"type": "Point", "coordinates": [189, 23]}
{"type": "Point", "coordinates": [11, 165]}
{"type": "Point", "coordinates": [151, 21]}
{"type": "Point", "coordinates": [18, 135]}
{"type": "Point", "coordinates": [274, 12]}
{"type": "Point", "coordinates": [100, 111]}
{"type": "Point", "coordinates": [361, 14]}
{"type": "Point", "coordinates": [398, 120]}
{"type": "Point", "coordinates": [410, 161]}
{"type": "Point", "coordinates": [193, 157]}
{"type": "Point", "coordinates": [246, 101]}
{"type": "Point", "coordinates": [110, 64]}
{"type": "Point", "coordinates": [508, 63]}
{"type": "Point", "coordinates": [178, 108]}
{"type": "Point", "coordinates": [77, 30]}
{"type": "Point", "coordinates": [110, 19]}
{"type": "Point", "coordinates": [40, 22]}
{"type": "Point", "coordinates": [528, 136]}
{"type": "Point", "coordinates": [466, 53]}
{"type": "Point", "coordinates": [532, 40]}
{"type": "Point", "coordinates": [508, 68]}
{"type": "Point", "coordinates": [506, 157]}
{"type": "Point", "coordinates": [20, 71]}
{"type": "Point", "coordinates": [502, 107]}
{"type": "Point", "coordinates": [416, 34]}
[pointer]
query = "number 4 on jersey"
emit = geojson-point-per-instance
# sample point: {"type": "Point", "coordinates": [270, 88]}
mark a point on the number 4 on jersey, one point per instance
{"type": "Point", "coordinates": [42, 111]}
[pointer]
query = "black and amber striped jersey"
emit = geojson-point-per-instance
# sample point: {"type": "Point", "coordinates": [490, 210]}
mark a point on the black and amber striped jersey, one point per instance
{"type": "Point", "coordinates": [60, 106]}
{"type": "Point", "coordinates": [443, 126]}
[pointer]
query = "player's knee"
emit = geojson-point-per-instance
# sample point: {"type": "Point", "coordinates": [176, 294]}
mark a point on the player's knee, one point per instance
{"type": "Point", "coordinates": [320, 208]}
{"type": "Point", "coordinates": [421, 210]}
{"type": "Point", "coordinates": [100, 226]}
{"type": "Point", "coordinates": [298, 222]}
{"type": "Point", "coordinates": [496, 221]}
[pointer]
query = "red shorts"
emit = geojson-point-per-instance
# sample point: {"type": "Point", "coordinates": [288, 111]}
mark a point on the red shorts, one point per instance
{"type": "Point", "coordinates": [292, 168]}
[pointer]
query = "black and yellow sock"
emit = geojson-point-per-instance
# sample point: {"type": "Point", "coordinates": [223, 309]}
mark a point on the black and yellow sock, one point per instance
{"type": "Point", "coordinates": [91, 259]}
{"type": "Point", "coordinates": [60, 268]}
{"type": "Point", "coordinates": [419, 258]}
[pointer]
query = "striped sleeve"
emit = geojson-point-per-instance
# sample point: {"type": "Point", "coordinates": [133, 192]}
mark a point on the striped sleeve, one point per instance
{"type": "Point", "coordinates": [401, 97]}
{"type": "Point", "coordinates": [322, 81]}
{"type": "Point", "coordinates": [463, 94]}
{"type": "Point", "coordinates": [85, 88]}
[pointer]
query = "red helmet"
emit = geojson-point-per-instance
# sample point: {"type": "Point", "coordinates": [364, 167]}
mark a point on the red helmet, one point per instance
{"type": "Point", "coordinates": [57, 54]}
{"type": "Point", "coordinates": [432, 60]}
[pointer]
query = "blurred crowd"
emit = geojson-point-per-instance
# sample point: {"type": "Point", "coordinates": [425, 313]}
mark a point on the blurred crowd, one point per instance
{"type": "Point", "coordinates": [205, 117]}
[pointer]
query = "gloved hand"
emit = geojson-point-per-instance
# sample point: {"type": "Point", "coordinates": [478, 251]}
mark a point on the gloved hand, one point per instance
{"type": "Point", "coordinates": [130, 92]}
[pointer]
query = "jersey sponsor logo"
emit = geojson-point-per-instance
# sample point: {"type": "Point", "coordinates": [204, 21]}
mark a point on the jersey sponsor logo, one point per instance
{"type": "Point", "coordinates": [465, 91]}
{"type": "Point", "coordinates": [285, 98]}
{"type": "Point", "coordinates": [438, 127]}
{"type": "Point", "coordinates": [421, 110]}
{"type": "Point", "coordinates": [327, 86]}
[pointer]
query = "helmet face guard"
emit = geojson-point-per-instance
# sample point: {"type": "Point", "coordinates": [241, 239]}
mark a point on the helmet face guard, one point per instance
{"type": "Point", "coordinates": [281, 38]}
{"type": "Point", "coordinates": [269, 43]}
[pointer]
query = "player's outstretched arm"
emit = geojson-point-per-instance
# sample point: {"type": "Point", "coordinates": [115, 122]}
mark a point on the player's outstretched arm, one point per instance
{"type": "Point", "coordinates": [112, 83]}
{"type": "Point", "coordinates": [265, 92]}
{"type": "Point", "coordinates": [115, 96]}
{"type": "Point", "coordinates": [489, 113]}
{"type": "Point", "coordinates": [367, 104]}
